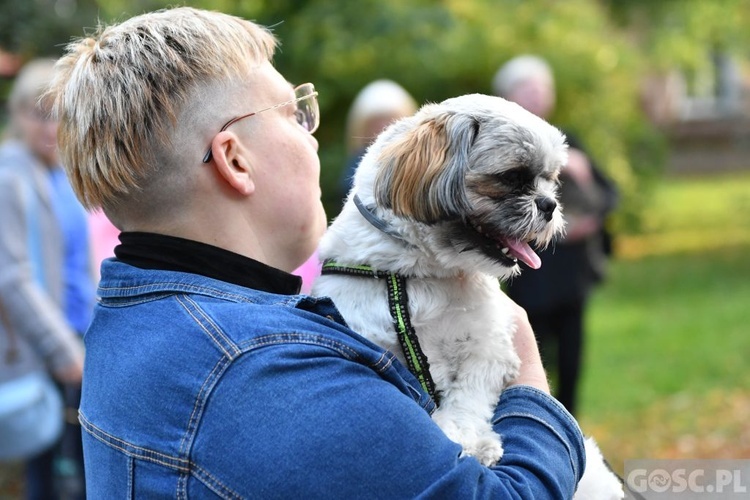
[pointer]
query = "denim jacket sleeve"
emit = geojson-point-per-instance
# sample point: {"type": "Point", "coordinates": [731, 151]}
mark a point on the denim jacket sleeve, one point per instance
{"type": "Point", "coordinates": [542, 443]}
{"type": "Point", "coordinates": [286, 422]}
{"type": "Point", "coordinates": [543, 453]}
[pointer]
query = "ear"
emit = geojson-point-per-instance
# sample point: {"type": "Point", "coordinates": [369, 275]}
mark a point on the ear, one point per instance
{"type": "Point", "coordinates": [232, 162]}
{"type": "Point", "coordinates": [421, 174]}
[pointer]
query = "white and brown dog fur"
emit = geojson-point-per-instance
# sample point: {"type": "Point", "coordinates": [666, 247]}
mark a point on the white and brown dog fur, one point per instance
{"type": "Point", "coordinates": [459, 191]}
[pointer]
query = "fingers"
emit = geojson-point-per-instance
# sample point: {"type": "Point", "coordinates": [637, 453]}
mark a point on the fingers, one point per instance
{"type": "Point", "coordinates": [70, 374]}
{"type": "Point", "coordinates": [532, 370]}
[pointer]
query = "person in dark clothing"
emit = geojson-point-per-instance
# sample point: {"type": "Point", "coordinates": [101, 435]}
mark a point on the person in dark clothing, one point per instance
{"type": "Point", "coordinates": [556, 295]}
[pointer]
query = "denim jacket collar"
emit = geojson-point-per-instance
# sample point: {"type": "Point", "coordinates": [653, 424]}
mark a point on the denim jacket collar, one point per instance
{"type": "Point", "coordinates": [159, 251]}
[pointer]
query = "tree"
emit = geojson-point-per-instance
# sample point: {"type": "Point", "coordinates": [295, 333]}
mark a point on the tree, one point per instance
{"type": "Point", "coordinates": [679, 33]}
{"type": "Point", "coordinates": [42, 27]}
{"type": "Point", "coordinates": [438, 49]}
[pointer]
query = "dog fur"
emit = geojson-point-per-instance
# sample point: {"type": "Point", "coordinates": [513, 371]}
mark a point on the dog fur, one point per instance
{"type": "Point", "coordinates": [460, 191]}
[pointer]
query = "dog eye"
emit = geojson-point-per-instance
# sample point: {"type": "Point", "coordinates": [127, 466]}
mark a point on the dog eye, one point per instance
{"type": "Point", "coordinates": [515, 177]}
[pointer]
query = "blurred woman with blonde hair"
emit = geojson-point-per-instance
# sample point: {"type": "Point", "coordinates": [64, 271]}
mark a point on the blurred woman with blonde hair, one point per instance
{"type": "Point", "coordinates": [376, 106]}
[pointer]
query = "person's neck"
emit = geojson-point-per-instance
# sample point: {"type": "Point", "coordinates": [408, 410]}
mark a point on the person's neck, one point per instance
{"type": "Point", "coordinates": [236, 238]}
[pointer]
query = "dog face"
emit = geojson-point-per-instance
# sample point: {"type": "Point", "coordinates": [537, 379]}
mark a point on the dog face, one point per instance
{"type": "Point", "coordinates": [481, 174]}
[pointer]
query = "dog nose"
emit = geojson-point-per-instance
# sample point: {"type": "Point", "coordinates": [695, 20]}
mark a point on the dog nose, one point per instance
{"type": "Point", "coordinates": [547, 206]}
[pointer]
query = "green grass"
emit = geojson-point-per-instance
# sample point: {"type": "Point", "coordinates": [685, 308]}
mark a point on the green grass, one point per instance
{"type": "Point", "coordinates": [668, 324]}
{"type": "Point", "coordinates": [669, 331]}
{"type": "Point", "coordinates": [694, 215]}
{"type": "Point", "coordinates": [700, 204]}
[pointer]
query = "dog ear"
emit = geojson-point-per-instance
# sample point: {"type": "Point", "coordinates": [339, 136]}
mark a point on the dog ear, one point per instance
{"type": "Point", "coordinates": [421, 174]}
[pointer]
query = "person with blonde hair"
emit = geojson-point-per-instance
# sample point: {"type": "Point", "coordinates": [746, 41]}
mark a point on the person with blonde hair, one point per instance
{"type": "Point", "coordinates": [46, 290]}
{"type": "Point", "coordinates": [527, 79]}
{"type": "Point", "coordinates": [207, 374]}
{"type": "Point", "coordinates": [377, 105]}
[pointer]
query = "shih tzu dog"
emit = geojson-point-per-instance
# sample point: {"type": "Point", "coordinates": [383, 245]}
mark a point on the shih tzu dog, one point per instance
{"type": "Point", "coordinates": [444, 204]}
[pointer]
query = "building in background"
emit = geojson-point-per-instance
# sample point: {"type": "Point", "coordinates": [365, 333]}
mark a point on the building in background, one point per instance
{"type": "Point", "coordinates": [706, 115]}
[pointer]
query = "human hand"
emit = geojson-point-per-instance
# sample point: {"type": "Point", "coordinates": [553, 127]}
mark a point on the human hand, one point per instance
{"type": "Point", "coordinates": [579, 168]}
{"type": "Point", "coordinates": [72, 373]}
{"type": "Point", "coordinates": [582, 226]}
{"type": "Point", "coordinates": [532, 370]}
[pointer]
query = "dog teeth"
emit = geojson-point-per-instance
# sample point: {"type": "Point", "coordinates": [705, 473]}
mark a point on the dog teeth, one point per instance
{"type": "Point", "coordinates": [506, 251]}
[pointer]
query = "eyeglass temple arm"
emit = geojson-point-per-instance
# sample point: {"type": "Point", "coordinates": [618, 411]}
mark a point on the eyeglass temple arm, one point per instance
{"type": "Point", "coordinates": [208, 155]}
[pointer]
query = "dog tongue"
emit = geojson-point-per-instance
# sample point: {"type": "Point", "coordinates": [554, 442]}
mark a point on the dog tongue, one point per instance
{"type": "Point", "coordinates": [521, 250]}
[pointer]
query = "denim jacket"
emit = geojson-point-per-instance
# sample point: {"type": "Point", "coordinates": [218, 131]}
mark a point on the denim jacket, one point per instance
{"type": "Point", "coordinates": [197, 388]}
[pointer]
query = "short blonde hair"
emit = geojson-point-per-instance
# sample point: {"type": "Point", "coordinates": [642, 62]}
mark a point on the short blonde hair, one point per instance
{"type": "Point", "coordinates": [118, 93]}
{"type": "Point", "coordinates": [379, 98]}
{"type": "Point", "coordinates": [518, 69]}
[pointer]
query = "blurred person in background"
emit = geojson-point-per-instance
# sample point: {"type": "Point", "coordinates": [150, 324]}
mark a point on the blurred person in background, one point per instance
{"type": "Point", "coordinates": [46, 290]}
{"type": "Point", "coordinates": [555, 296]}
{"type": "Point", "coordinates": [377, 105]}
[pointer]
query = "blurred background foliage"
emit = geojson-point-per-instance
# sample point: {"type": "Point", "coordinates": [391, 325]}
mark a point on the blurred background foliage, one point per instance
{"type": "Point", "coordinates": [600, 51]}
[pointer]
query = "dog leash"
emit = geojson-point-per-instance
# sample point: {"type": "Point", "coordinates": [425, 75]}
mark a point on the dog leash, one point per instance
{"type": "Point", "coordinates": [398, 303]}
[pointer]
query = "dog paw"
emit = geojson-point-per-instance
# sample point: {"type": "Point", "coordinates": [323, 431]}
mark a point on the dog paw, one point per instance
{"type": "Point", "coordinates": [487, 449]}
{"type": "Point", "coordinates": [475, 436]}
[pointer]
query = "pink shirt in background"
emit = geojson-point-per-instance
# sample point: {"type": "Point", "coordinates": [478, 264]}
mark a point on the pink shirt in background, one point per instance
{"type": "Point", "coordinates": [308, 272]}
{"type": "Point", "coordinates": [104, 238]}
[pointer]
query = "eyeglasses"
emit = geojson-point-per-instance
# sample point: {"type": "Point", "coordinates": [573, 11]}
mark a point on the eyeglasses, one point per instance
{"type": "Point", "coordinates": [307, 112]}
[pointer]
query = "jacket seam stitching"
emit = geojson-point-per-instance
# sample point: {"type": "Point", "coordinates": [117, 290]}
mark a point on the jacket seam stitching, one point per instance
{"type": "Point", "coordinates": [385, 362]}
{"type": "Point", "coordinates": [200, 403]}
{"type": "Point", "coordinates": [181, 490]}
{"type": "Point", "coordinates": [548, 426]}
{"type": "Point", "coordinates": [131, 474]}
{"type": "Point", "coordinates": [300, 338]}
{"type": "Point", "coordinates": [217, 335]}
{"type": "Point", "coordinates": [213, 483]}
{"type": "Point", "coordinates": [178, 463]}
{"type": "Point", "coordinates": [175, 287]}
{"type": "Point", "coordinates": [188, 466]}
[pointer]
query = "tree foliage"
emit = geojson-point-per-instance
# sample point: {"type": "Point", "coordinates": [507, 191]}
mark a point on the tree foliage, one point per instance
{"type": "Point", "coordinates": [34, 28]}
{"type": "Point", "coordinates": [681, 32]}
{"type": "Point", "coordinates": [599, 49]}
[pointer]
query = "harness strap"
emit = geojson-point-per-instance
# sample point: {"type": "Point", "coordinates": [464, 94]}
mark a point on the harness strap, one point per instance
{"type": "Point", "coordinates": [398, 304]}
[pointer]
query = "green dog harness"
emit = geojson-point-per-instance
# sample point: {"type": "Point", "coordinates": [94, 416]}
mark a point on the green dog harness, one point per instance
{"type": "Point", "coordinates": [398, 303]}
